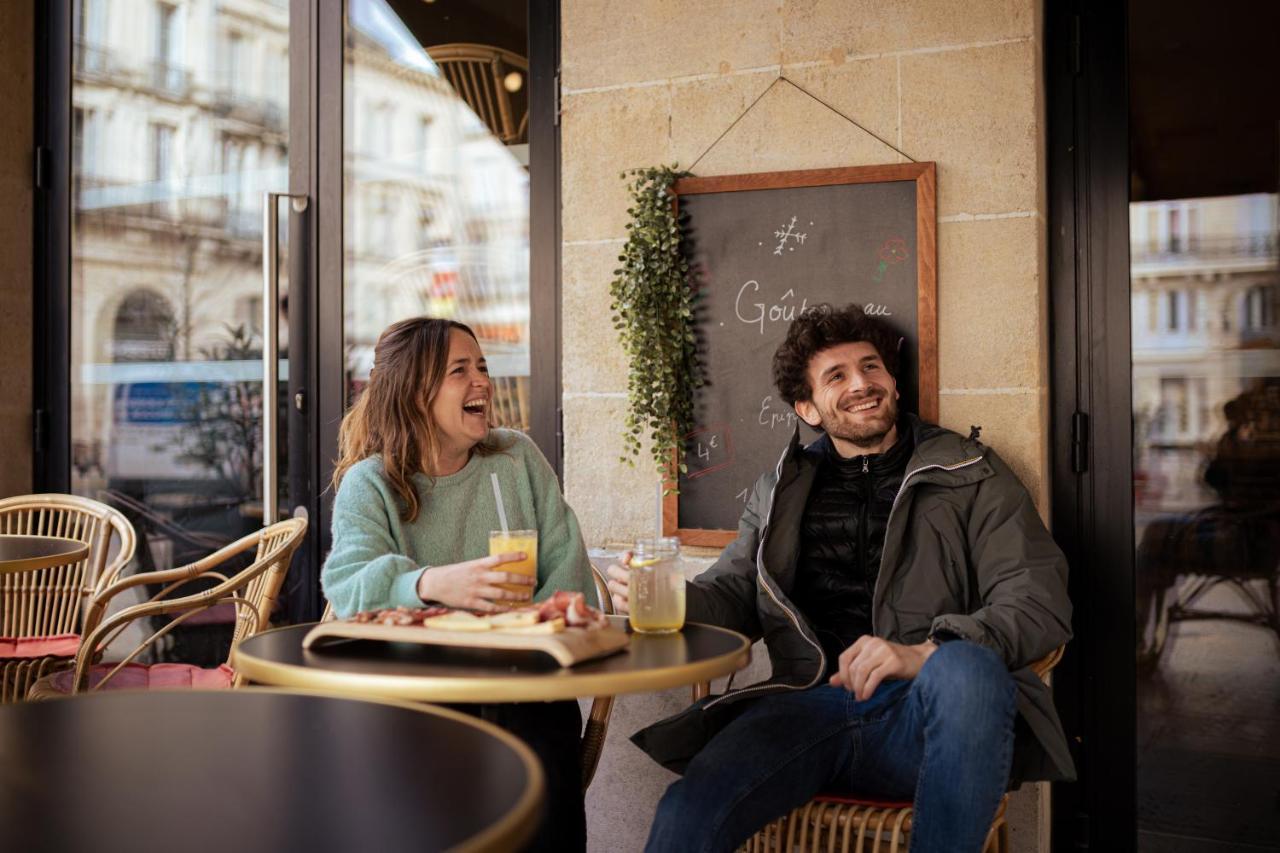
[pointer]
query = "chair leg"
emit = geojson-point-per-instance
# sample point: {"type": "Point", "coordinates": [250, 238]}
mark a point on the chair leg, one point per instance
{"type": "Point", "coordinates": [593, 737]}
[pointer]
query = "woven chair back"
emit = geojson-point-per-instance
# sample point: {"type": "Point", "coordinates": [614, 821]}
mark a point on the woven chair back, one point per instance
{"type": "Point", "coordinates": [50, 602]}
{"type": "Point", "coordinates": [275, 553]}
{"type": "Point", "coordinates": [477, 72]}
{"type": "Point", "coordinates": [253, 591]}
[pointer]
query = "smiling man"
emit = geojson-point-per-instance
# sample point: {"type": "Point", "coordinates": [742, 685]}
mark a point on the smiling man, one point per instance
{"type": "Point", "coordinates": [903, 582]}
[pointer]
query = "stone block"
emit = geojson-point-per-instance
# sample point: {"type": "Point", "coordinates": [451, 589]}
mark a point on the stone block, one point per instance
{"type": "Point", "coordinates": [787, 130]}
{"type": "Point", "coordinates": [990, 297]}
{"type": "Point", "coordinates": [1015, 425]}
{"type": "Point", "coordinates": [835, 29]}
{"type": "Point", "coordinates": [614, 501]}
{"type": "Point", "coordinates": [592, 356]}
{"type": "Point", "coordinates": [975, 112]}
{"type": "Point", "coordinates": [703, 109]}
{"type": "Point", "coordinates": [605, 133]}
{"type": "Point", "coordinates": [611, 42]}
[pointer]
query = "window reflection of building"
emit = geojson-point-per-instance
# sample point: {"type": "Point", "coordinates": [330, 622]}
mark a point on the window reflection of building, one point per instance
{"type": "Point", "coordinates": [1205, 329]}
{"type": "Point", "coordinates": [436, 206]}
{"type": "Point", "coordinates": [179, 119]}
{"type": "Point", "coordinates": [176, 132]}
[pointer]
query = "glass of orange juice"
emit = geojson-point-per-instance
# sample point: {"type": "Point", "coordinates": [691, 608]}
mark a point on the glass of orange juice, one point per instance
{"type": "Point", "coordinates": [506, 541]}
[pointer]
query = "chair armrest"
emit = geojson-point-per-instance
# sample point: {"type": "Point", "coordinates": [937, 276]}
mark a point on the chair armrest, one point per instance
{"type": "Point", "coordinates": [1045, 665]}
{"type": "Point", "coordinates": [98, 604]}
{"type": "Point", "coordinates": [602, 590]}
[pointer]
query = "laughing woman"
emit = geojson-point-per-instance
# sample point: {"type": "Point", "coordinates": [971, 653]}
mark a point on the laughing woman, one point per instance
{"type": "Point", "coordinates": [414, 507]}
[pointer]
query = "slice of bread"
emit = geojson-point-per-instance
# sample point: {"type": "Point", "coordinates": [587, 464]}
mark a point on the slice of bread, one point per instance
{"type": "Point", "coordinates": [551, 626]}
{"type": "Point", "coordinates": [514, 619]}
{"type": "Point", "coordinates": [459, 620]}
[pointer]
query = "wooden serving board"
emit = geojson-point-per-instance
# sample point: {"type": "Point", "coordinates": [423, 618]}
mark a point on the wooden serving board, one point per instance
{"type": "Point", "coordinates": [570, 646]}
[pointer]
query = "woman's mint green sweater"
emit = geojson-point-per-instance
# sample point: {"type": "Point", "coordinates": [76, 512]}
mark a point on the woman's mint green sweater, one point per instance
{"type": "Point", "coordinates": [376, 557]}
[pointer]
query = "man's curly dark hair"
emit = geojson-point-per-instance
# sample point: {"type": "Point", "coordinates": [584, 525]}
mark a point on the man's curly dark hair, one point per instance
{"type": "Point", "coordinates": [822, 326]}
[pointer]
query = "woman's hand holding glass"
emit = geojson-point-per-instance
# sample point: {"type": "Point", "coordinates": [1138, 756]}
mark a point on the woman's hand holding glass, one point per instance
{"type": "Point", "coordinates": [472, 585]}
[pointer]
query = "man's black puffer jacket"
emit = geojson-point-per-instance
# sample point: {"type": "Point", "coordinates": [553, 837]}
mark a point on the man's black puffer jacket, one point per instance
{"type": "Point", "coordinates": [842, 539]}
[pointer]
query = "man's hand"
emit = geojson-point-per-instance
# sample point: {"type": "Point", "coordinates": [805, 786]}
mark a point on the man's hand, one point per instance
{"type": "Point", "coordinates": [471, 585]}
{"type": "Point", "coordinates": [619, 579]}
{"type": "Point", "coordinates": [871, 660]}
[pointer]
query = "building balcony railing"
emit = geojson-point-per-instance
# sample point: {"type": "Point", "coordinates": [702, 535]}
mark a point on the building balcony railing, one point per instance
{"type": "Point", "coordinates": [152, 201]}
{"type": "Point", "coordinates": [254, 111]}
{"type": "Point", "coordinates": [170, 79]}
{"type": "Point", "coordinates": [1242, 247]}
{"type": "Point", "coordinates": [95, 61]}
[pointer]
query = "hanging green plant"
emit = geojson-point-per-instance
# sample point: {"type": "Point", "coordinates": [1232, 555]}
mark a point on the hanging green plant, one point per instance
{"type": "Point", "coordinates": [653, 313]}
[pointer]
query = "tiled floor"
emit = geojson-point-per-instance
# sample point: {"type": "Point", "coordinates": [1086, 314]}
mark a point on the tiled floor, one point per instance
{"type": "Point", "coordinates": [1209, 738]}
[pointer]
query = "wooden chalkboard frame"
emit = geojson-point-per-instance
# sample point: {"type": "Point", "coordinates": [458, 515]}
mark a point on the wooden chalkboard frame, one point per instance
{"type": "Point", "coordinates": [924, 175]}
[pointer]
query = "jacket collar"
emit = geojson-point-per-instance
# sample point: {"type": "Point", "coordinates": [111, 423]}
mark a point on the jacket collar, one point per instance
{"type": "Point", "coordinates": [937, 449]}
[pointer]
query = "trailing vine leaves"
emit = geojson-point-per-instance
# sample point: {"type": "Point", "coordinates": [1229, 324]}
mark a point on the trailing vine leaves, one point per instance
{"type": "Point", "coordinates": [653, 313]}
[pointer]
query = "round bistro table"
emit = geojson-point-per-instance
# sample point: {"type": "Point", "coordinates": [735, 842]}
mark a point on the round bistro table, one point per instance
{"type": "Point", "coordinates": [31, 553]}
{"type": "Point", "coordinates": [259, 770]}
{"type": "Point", "coordinates": [426, 673]}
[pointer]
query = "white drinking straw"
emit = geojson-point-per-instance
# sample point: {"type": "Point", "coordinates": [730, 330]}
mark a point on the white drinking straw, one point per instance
{"type": "Point", "coordinates": [497, 496]}
{"type": "Point", "coordinates": [657, 516]}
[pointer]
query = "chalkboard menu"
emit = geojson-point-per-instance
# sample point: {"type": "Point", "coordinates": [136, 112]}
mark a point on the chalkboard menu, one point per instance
{"type": "Point", "coordinates": [763, 248]}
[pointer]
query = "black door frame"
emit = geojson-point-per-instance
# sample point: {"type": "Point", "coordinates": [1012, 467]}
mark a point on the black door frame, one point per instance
{"type": "Point", "coordinates": [1092, 463]}
{"type": "Point", "coordinates": [317, 366]}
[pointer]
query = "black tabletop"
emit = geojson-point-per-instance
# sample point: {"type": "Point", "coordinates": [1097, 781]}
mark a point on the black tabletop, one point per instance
{"type": "Point", "coordinates": [257, 770]}
{"type": "Point", "coordinates": [19, 553]}
{"type": "Point", "coordinates": [430, 673]}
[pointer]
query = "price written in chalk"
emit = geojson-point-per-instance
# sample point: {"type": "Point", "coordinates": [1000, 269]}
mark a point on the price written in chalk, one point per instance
{"type": "Point", "coordinates": [708, 450]}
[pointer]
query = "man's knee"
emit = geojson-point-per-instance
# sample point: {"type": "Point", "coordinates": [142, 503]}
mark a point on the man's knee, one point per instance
{"type": "Point", "coordinates": [964, 679]}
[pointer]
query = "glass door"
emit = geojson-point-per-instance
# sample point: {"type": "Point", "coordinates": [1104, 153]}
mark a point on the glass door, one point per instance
{"type": "Point", "coordinates": [407, 144]}
{"type": "Point", "coordinates": [179, 124]}
{"type": "Point", "coordinates": [1204, 304]}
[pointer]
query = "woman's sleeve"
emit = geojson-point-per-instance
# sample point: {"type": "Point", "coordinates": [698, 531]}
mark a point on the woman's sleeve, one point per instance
{"type": "Point", "coordinates": [364, 570]}
{"type": "Point", "coordinates": [562, 556]}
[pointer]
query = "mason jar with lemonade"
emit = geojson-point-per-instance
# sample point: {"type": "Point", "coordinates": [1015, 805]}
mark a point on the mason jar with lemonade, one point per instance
{"type": "Point", "coordinates": [656, 587]}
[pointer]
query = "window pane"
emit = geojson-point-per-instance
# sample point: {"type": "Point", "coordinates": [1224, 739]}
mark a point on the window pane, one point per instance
{"type": "Point", "coordinates": [437, 194]}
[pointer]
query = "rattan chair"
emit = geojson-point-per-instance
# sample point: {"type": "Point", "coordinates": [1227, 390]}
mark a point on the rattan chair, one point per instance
{"type": "Point", "coordinates": [860, 825]}
{"type": "Point", "coordinates": [252, 591]}
{"type": "Point", "coordinates": [43, 611]}
{"type": "Point", "coordinates": [477, 72]}
{"type": "Point", "coordinates": [597, 727]}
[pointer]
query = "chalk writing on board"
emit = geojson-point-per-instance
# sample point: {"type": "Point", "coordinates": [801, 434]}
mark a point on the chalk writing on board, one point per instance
{"type": "Point", "coordinates": [774, 415]}
{"type": "Point", "coordinates": [874, 310]}
{"type": "Point", "coordinates": [708, 449]}
{"type": "Point", "coordinates": [788, 232]}
{"type": "Point", "coordinates": [757, 312]}
{"type": "Point", "coordinates": [892, 251]}
{"type": "Point", "coordinates": [742, 495]}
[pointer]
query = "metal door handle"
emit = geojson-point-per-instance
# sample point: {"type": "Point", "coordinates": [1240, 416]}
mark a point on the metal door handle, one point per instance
{"type": "Point", "coordinates": [271, 344]}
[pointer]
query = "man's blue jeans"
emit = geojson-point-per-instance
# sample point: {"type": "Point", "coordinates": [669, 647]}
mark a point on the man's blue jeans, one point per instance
{"type": "Point", "coordinates": [944, 738]}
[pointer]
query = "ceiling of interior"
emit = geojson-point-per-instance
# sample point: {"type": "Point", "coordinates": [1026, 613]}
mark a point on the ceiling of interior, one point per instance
{"type": "Point", "coordinates": [1204, 97]}
{"type": "Point", "coordinates": [500, 23]}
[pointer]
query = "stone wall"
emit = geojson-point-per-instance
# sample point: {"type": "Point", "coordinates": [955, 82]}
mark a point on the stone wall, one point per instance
{"type": "Point", "coordinates": [17, 69]}
{"type": "Point", "coordinates": [657, 81]}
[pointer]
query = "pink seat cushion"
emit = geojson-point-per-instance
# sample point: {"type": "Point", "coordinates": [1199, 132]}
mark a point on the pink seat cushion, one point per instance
{"type": "Point", "coordinates": [160, 676]}
{"type": "Point", "coordinates": [60, 646]}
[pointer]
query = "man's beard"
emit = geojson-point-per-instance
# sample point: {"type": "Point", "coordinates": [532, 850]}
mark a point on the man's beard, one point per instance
{"type": "Point", "coordinates": [865, 433]}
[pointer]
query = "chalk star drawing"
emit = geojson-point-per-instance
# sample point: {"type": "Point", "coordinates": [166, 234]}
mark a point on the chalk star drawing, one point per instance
{"type": "Point", "coordinates": [786, 233]}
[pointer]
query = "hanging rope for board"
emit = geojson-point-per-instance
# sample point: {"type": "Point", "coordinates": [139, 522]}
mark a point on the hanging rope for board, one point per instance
{"type": "Point", "coordinates": [782, 78]}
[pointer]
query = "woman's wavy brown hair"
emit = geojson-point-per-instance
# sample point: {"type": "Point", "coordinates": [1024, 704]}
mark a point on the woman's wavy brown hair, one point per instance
{"type": "Point", "coordinates": [391, 419]}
